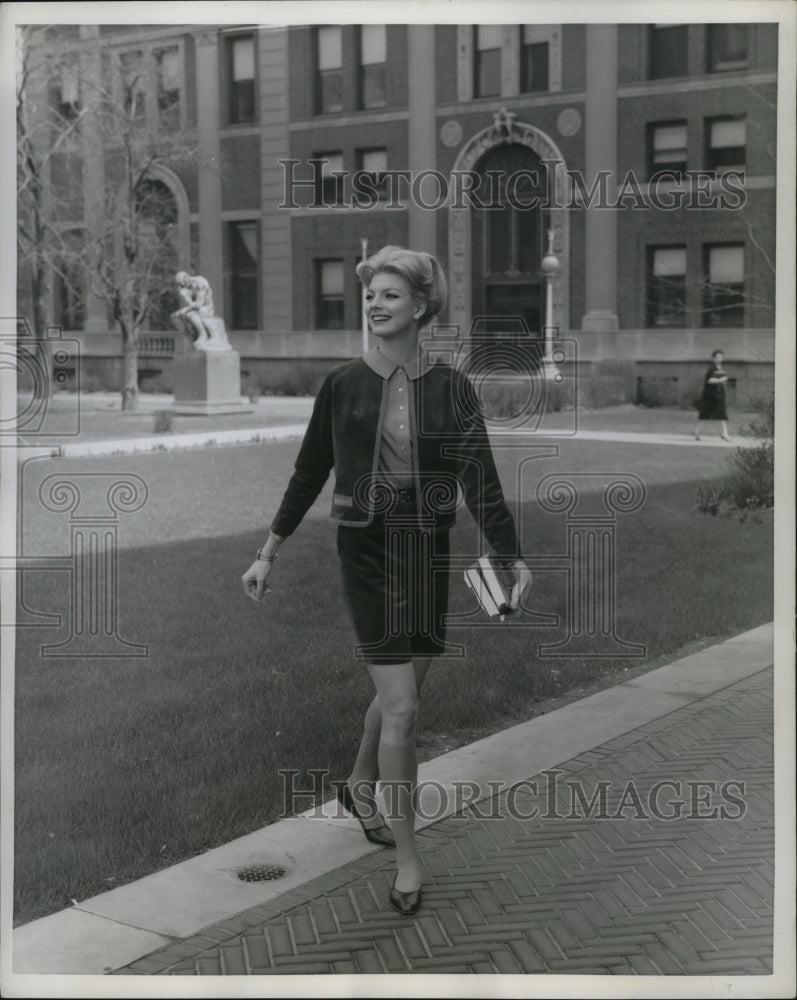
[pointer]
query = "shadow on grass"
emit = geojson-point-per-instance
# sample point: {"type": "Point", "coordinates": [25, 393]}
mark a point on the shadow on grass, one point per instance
{"type": "Point", "coordinates": [126, 766]}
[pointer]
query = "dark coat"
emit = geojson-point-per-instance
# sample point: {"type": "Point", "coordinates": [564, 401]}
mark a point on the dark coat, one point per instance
{"type": "Point", "coordinates": [453, 449]}
{"type": "Point", "coordinates": [712, 400]}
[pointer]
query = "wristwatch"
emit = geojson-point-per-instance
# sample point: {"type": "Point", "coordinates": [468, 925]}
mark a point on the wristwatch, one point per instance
{"type": "Point", "coordinates": [260, 556]}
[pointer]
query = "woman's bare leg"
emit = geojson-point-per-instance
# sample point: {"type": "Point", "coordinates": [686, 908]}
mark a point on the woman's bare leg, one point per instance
{"type": "Point", "coordinates": [398, 766]}
{"type": "Point", "coordinates": [365, 771]}
{"type": "Point", "coordinates": [366, 767]}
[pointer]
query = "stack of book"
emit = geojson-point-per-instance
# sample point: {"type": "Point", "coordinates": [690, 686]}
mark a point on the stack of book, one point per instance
{"type": "Point", "coordinates": [491, 585]}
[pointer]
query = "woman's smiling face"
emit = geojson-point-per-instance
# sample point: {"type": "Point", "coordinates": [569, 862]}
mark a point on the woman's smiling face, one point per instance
{"type": "Point", "coordinates": [390, 305]}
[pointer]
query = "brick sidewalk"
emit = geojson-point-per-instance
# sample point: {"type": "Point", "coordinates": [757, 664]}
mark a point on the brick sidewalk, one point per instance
{"type": "Point", "coordinates": [638, 894]}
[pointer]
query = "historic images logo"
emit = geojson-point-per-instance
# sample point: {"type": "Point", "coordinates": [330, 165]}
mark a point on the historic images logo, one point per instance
{"type": "Point", "coordinates": [525, 189]}
{"type": "Point", "coordinates": [546, 796]}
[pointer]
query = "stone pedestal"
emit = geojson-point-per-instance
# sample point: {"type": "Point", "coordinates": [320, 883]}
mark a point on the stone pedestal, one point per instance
{"type": "Point", "coordinates": [207, 383]}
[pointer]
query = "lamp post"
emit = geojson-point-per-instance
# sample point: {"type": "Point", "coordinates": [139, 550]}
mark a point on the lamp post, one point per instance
{"type": "Point", "coordinates": [551, 266]}
{"type": "Point", "coordinates": [364, 246]}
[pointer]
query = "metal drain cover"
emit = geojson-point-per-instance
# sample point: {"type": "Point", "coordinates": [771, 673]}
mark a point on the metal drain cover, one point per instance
{"type": "Point", "coordinates": [260, 873]}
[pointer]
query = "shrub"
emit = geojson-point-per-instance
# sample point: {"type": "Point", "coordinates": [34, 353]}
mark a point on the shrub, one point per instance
{"type": "Point", "coordinates": [751, 481]}
{"type": "Point", "coordinates": [749, 487]}
{"type": "Point", "coordinates": [292, 379]}
{"type": "Point", "coordinates": [164, 421]}
{"type": "Point", "coordinates": [504, 399]}
{"type": "Point", "coordinates": [710, 499]}
{"type": "Point", "coordinates": [251, 388]}
{"type": "Point", "coordinates": [600, 391]}
{"type": "Point", "coordinates": [297, 380]}
{"type": "Point", "coordinates": [88, 382]}
{"type": "Point", "coordinates": [156, 383]}
{"type": "Point", "coordinates": [559, 395]}
{"type": "Point", "coordinates": [763, 423]}
{"type": "Point", "coordinates": [657, 390]}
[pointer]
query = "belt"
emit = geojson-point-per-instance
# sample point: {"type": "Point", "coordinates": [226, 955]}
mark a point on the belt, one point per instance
{"type": "Point", "coordinates": [406, 494]}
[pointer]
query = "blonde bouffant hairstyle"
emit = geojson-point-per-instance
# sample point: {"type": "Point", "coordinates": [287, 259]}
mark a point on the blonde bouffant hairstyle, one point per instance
{"type": "Point", "coordinates": [420, 270]}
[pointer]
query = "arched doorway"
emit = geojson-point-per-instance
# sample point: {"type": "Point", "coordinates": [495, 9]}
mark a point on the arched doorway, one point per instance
{"type": "Point", "coordinates": [475, 282]}
{"type": "Point", "coordinates": [157, 213]}
{"type": "Point", "coordinates": [160, 218]}
{"type": "Point", "coordinates": [509, 241]}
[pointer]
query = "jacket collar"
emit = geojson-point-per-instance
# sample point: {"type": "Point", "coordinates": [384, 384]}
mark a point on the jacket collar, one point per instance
{"type": "Point", "coordinates": [383, 366]}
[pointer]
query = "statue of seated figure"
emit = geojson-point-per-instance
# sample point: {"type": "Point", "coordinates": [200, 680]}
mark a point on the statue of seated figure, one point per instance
{"type": "Point", "coordinates": [196, 317]}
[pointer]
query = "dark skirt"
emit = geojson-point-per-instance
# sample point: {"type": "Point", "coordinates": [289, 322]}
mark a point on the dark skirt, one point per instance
{"type": "Point", "coordinates": [712, 404]}
{"type": "Point", "coordinates": [395, 582]}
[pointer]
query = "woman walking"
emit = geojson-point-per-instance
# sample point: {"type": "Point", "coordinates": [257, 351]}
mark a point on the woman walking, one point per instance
{"type": "Point", "coordinates": [402, 434]}
{"type": "Point", "coordinates": [712, 400]}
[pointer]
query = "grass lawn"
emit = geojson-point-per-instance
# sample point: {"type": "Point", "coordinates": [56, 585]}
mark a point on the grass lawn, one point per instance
{"type": "Point", "coordinates": [127, 766]}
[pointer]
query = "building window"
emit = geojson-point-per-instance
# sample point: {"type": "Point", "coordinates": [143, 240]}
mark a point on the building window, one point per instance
{"type": "Point", "coordinates": [242, 79]}
{"type": "Point", "coordinates": [487, 62]}
{"type": "Point", "coordinates": [329, 80]}
{"type": "Point", "coordinates": [133, 78]}
{"type": "Point", "coordinates": [330, 191]}
{"type": "Point", "coordinates": [374, 163]}
{"type": "Point", "coordinates": [723, 298]}
{"type": "Point", "coordinates": [666, 286]}
{"type": "Point", "coordinates": [168, 63]}
{"type": "Point", "coordinates": [727, 47]}
{"type": "Point", "coordinates": [533, 62]}
{"type": "Point", "coordinates": [668, 50]}
{"type": "Point", "coordinates": [726, 140]}
{"type": "Point", "coordinates": [373, 75]}
{"type": "Point", "coordinates": [329, 294]}
{"type": "Point", "coordinates": [244, 259]}
{"type": "Point", "coordinates": [667, 147]}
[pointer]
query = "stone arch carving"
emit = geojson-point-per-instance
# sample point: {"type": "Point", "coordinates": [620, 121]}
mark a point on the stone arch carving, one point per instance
{"type": "Point", "coordinates": [506, 129]}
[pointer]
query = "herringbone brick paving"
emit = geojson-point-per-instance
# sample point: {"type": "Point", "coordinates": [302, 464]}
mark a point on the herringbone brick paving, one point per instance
{"type": "Point", "coordinates": [651, 854]}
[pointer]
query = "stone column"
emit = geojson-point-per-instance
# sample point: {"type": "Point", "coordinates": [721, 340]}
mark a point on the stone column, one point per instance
{"type": "Point", "coordinates": [510, 60]}
{"type": "Point", "coordinates": [208, 123]}
{"type": "Point", "coordinates": [274, 145]}
{"type": "Point", "coordinates": [93, 174]}
{"type": "Point", "coordinates": [422, 133]}
{"type": "Point", "coordinates": [601, 154]}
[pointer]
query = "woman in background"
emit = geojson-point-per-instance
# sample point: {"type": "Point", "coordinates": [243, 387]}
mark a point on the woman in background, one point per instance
{"type": "Point", "coordinates": [712, 400]}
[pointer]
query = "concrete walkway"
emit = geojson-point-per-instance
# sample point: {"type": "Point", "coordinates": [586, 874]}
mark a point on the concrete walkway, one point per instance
{"type": "Point", "coordinates": [93, 425]}
{"type": "Point", "coordinates": [628, 833]}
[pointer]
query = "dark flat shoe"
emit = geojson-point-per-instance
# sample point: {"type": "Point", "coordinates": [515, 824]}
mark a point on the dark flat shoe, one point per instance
{"type": "Point", "coordinates": [381, 835]}
{"type": "Point", "coordinates": [406, 903]}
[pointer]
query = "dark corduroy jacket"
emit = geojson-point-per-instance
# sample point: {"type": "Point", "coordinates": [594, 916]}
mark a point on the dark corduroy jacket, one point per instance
{"type": "Point", "coordinates": [452, 449]}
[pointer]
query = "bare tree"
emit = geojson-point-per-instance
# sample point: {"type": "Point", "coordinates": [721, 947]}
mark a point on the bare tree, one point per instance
{"type": "Point", "coordinates": [125, 253]}
{"type": "Point", "coordinates": [42, 135]}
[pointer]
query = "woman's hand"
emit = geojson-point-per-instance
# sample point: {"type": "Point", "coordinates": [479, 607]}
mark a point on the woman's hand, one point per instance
{"type": "Point", "coordinates": [522, 583]}
{"type": "Point", "coordinates": [254, 579]}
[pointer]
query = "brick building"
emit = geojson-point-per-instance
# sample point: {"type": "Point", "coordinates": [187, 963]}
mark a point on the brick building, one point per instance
{"type": "Point", "coordinates": [676, 262]}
